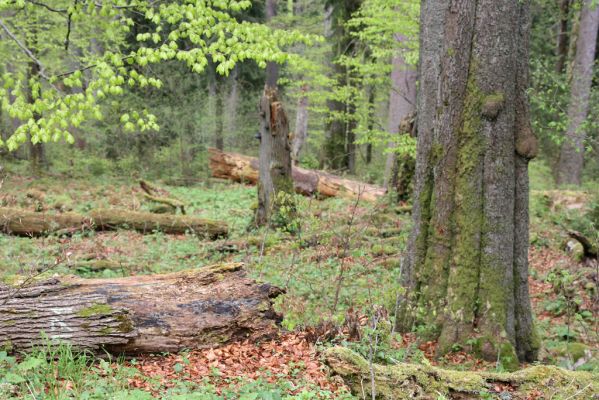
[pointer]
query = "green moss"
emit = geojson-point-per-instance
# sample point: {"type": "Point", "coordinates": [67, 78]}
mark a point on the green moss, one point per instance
{"type": "Point", "coordinates": [125, 324]}
{"type": "Point", "coordinates": [408, 381]}
{"type": "Point", "coordinates": [96, 309]}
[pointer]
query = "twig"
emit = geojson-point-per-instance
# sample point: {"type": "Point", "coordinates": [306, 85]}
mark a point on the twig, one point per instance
{"type": "Point", "coordinates": [69, 22]}
{"type": "Point", "coordinates": [25, 50]}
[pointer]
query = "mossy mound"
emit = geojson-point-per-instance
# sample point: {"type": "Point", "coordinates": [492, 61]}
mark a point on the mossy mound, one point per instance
{"type": "Point", "coordinates": [410, 381]}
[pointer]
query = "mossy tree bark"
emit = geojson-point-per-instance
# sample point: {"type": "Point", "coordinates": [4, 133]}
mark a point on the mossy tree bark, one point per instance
{"type": "Point", "coordinates": [466, 270]}
{"type": "Point", "coordinates": [571, 157]}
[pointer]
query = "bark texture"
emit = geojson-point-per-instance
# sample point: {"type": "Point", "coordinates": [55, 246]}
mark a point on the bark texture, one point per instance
{"type": "Point", "coordinates": [408, 381]}
{"type": "Point", "coordinates": [301, 126]}
{"type": "Point", "coordinates": [140, 314]}
{"type": "Point", "coordinates": [562, 36]}
{"type": "Point", "coordinates": [275, 186]}
{"type": "Point", "coordinates": [402, 102]}
{"type": "Point", "coordinates": [26, 223]}
{"type": "Point", "coordinates": [466, 270]}
{"type": "Point", "coordinates": [571, 158]}
{"type": "Point", "coordinates": [240, 168]}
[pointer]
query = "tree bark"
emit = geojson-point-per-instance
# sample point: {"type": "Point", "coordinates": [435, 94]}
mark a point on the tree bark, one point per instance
{"type": "Point", "coordinates": [571, 158]}
{"type": "Point", "coordinates": [301, 126]}
{"type": "Point", "coordinates": [466, 269]}
{"type": "Point", "coordinates": [402, 102]}
{"type": "Point", "coordinates": [275, 186]}
{"type": "Point", "coordinates": [140, 314]}
{"type": "Point", "coordinates": [562, 36]}
{"type": "Point", "coordinates": [409, 381]}
{"type": "Point", "coordinates": [244, 169]}
{"type": "Point", "coordinates": [26, 223]}
{"type": "Point", "coordinates": [232, 101]}
{"type": "Point", "coordinates": [36, 150]}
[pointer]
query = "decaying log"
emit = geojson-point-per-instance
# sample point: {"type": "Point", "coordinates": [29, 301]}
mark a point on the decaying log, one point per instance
{"type": "Point", "coordinates": [152, 313]}
{"type": "Point", "coordinates": [108, 219]}
{"type": "Point", "coordinates": [242, 168]}
{"type": "Point", "coordinates": [589, 250]}
{"type": "Point", "coordinates": [161, 196]}
{"type": "Point", "coordinates": [410, 381]}
{"type": "Point", "coordinates": [20, 222]}
{"type": "Point", "coordinates": [25, 223]}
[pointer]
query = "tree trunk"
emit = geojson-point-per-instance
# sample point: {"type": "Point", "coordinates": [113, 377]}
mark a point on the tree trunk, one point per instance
{"type": "Point", "coordinates": [402, 102]}
{"type": "Point", "coordinates": [139, 314]}
{"type": "Point", "coordinates": [409, 381]}
{"type": "Point", "coordinates": [244, 169]}
{"type": "Point", "coordinates": [216, 108]}
{"type": "Point", "coordinates": [275, 186]}
{"type": "Point", "coordinates": [301, 126]}
{"type": "Point", "coordinates": [571, 158]}
{"type": "Point", "coordinates": [232, 101]}
{"type": "Point", "coordinates": [36, 149]}
{"type": "Point", "coordinates": [26, 223]}
{"type": "Point", "coordinates": [466, 269]}
{"type": "Point", "coordinates": [371, 112]}
{"type": "Point", "coordinates": [335, 133]}
{"type": "Point", "coordinates": [562, 36]}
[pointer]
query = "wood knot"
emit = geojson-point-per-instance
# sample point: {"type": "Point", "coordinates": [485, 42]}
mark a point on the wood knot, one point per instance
{"type": "Point", "coordinates": [492, 105]}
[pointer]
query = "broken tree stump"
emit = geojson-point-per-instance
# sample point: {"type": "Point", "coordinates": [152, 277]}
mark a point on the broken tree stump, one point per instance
{"type": "Point", "coordinates": [240, 168]}
{"type": "Point", "coordinates": [139, 314]}
{"type": "Point", "coordinates": [410, 381]}
{"type": "Point", "coordinates": [26, 223]}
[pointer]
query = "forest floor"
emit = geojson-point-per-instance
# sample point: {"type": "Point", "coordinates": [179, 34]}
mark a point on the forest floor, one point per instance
{"type": "Point", "coordinates": [339, 270]}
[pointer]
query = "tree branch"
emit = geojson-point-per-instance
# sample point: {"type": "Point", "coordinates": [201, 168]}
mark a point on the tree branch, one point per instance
{"type": "Point", "coordinates": [25, 50]}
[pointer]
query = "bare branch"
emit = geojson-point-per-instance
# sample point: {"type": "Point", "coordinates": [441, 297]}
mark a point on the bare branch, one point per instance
{"type": "Point", "coordinates": [25, 50]}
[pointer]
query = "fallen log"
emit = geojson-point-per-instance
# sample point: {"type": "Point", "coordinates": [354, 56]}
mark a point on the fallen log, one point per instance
{"type": "Point", "coordinates": [244, 169]}
{"type": "Point", "coordinates": [589, 250]}
{"type": "Point", "coordinates": [161, 196]}
{"type": "Point", "coordinates": [140, 314]}
{"type": "Point", "coordinates": [109, 219]}
{"type": "Point", "coordinates": [25, 223]}
{"type": "Point", "coordinates": [410, 381]}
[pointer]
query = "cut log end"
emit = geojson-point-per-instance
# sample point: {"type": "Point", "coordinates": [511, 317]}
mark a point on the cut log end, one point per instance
{"type": "Point", "coordinates": [191, 309]}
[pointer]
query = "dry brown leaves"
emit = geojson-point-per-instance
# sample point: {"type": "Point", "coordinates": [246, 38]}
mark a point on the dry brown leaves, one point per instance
{"type": "Point", "coordinates": [291, 357]}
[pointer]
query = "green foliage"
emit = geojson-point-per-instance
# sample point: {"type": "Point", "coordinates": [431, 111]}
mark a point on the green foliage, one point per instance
{"type": "Point", "coordinates": [56, 98]}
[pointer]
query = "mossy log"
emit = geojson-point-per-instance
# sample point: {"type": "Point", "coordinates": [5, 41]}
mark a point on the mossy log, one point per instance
{"type": "Point", "coordinates": [25, 223]}
{"type": "Point", "coordinates": [108, 219]}
{"type": "Point", "coordinates": [307, 182]}
{"type": "Point", "coordinates": [161, 196]}
{"type": "Point", "coordinates": [140, 314]}
{"type": "Point", "coordinates": [410, 381]}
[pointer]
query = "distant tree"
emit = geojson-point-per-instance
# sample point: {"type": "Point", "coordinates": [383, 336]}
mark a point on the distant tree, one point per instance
{"type": "Point", "coordinates": [466, 271]}
{"type": "Point", "coordinates": [571, 157]}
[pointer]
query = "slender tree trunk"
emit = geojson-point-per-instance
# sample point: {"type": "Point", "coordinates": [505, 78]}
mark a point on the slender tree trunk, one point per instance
{"type": "Point", "coordinates": [350, 146]}
{"type": "Point", "coordinates": [36, 150]}
{"type": "Point", "coordinates": [370, 122]}
{"type": "Point", "coordinates": [571, 158]}
{"type": "Point", "coordinates": [562, 36]}
{"type": "Point", "coordinates": [301, 126]}
{"type": "Point", "coordinates": [466, 269]}
{"type": "Point", "coordinates": [215, 107]}
{"type": "Point", "coordinates": [335, 133]}
{"type": "Point", "coordinates": [402, 102]}
{"type": "Point", "coordinates": [232, 102]}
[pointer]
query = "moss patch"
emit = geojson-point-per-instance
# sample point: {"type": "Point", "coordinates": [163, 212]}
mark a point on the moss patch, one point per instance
{"type": "Point", "coordinates": [96, 309]}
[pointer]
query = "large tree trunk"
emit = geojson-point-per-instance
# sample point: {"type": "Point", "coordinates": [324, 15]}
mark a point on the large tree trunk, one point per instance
{"type": "Point", "coordinates": [140, 314]}
{"type": "Point", "coordinates": [571, 158]}
{"type": "Point", "coordinates": [466, 270]}
{"type": "Point", "coordinates": [402, 102]}
{"type": "Point", "coordinates": [275, 187]}
{"type": "Point", "coordinates": [26, 223]}
{"type": "Point", "coordinates": [410, 381]}
{"type": "Point", "coordinates": [301, 126]}
{"type": "Point", "coordinates": [240, 168]}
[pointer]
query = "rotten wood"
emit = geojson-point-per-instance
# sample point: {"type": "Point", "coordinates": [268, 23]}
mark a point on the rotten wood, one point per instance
{"type": "Point", "coordinates": [139, 314]}
{"type": "Point", "coordinates": [26, 223]}
{"type": "Point", "coordinates": [241, 168]}
{"type": "Point", "coordinates": [589, 250]}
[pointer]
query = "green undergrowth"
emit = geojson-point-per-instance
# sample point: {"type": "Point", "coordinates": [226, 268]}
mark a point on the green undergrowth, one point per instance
{"type": "Point", "coordinates": [60, 373]}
